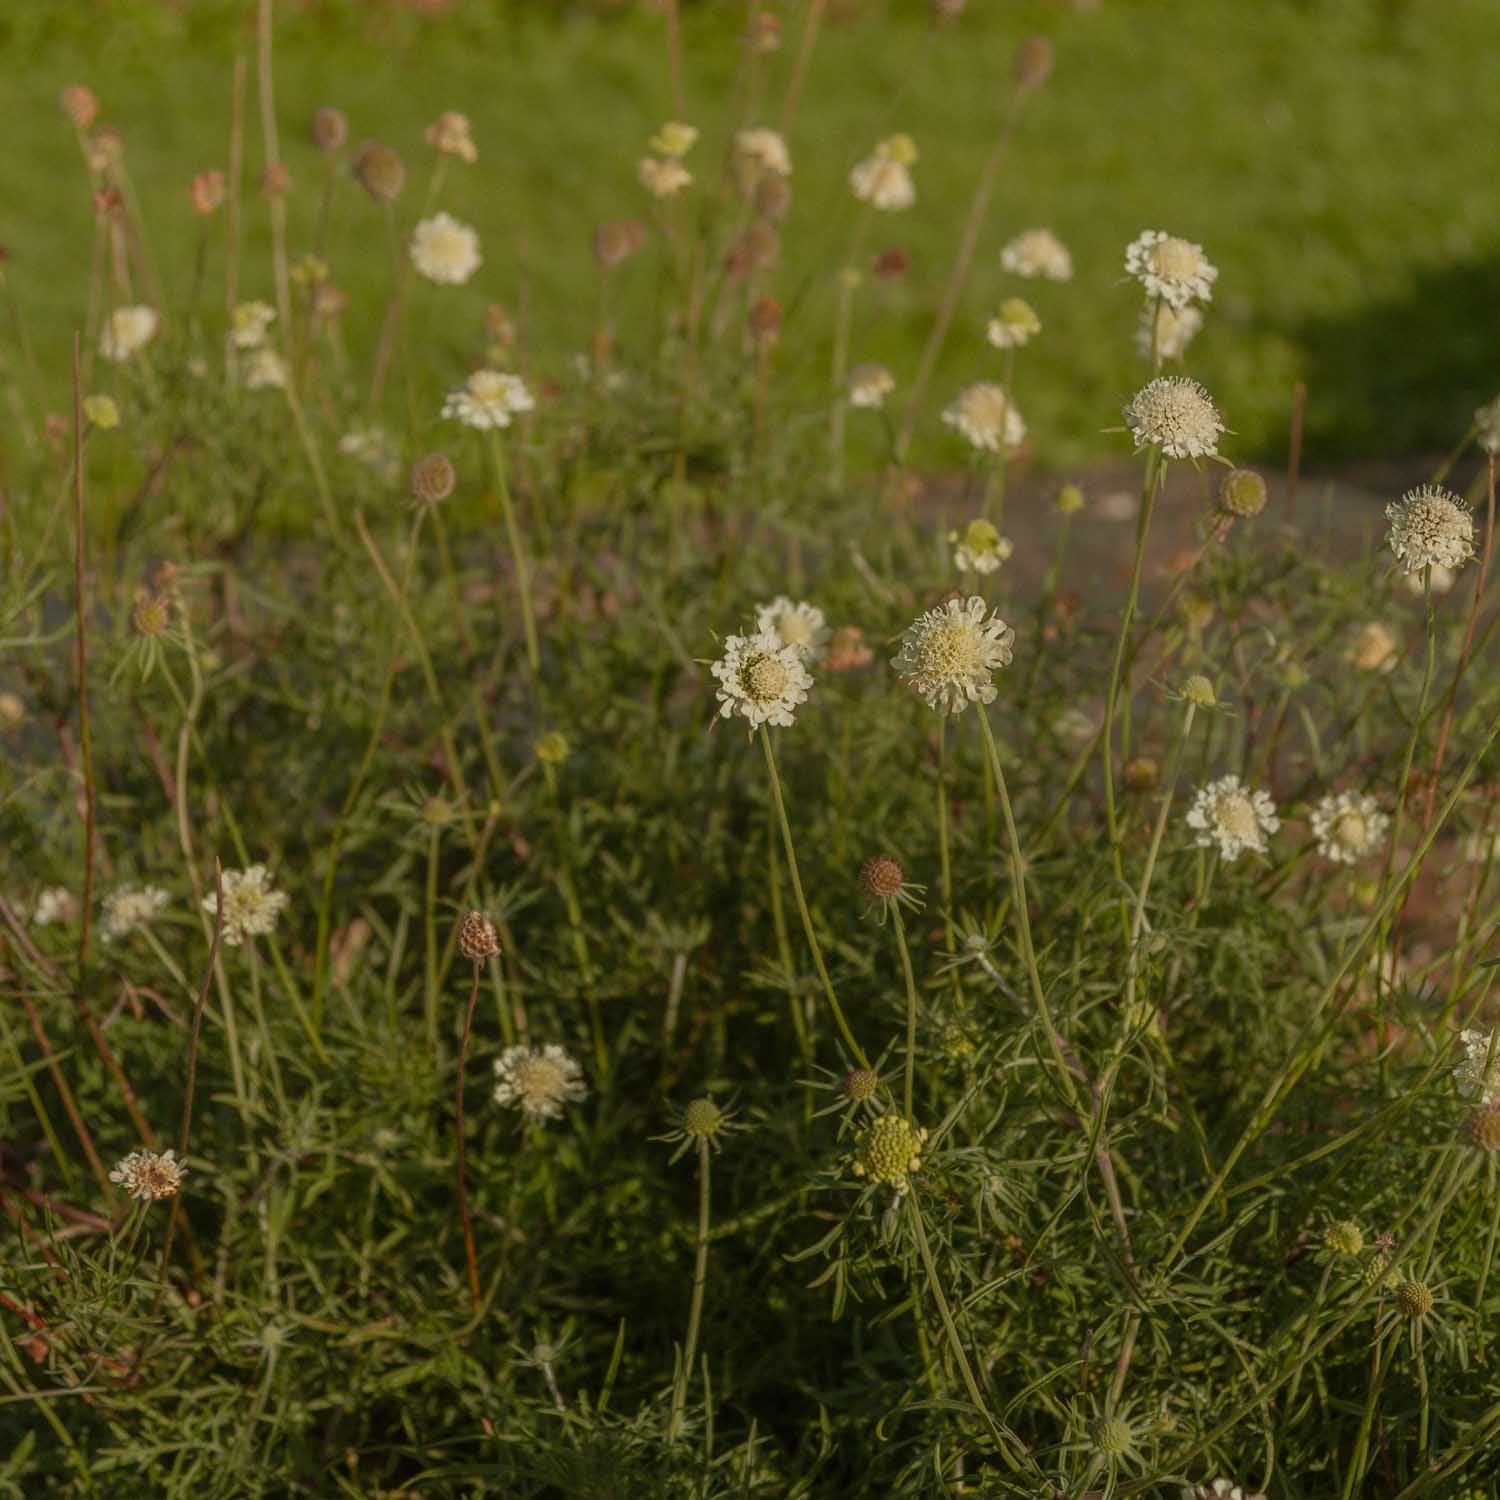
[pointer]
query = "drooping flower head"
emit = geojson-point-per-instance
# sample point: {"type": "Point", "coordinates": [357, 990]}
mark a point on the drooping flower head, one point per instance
{"type": "Point", "coordinates": [445, 250]}
{"type": "Point", "coordinates": [1014, 326]}
{"type": "Point", "coordinates": [127, 331]}
{"type": "Point", "coordinates": [794, 623]}
{"type": "Point", "coordinates": [131, 907]}
{"type": "Point", "coordinates": [145, 1174]}
{"type": "Point", "coordinates": [949, 655]}
{"type": "Point", "coordinates": [869, 385]}
{"type": "Point", "coordinates": [1175, 329]}
{"type": "Point", "coordinates": [986, 417]}
{"type": "Point", "coordinates": [1229, 814]}
{"type": "Point", "coordinates": [538, 1081]}
{"type": "Point", "coordinates": [1173, 269]}
{"type": "Point", "coordinates": [1037, 252]}
{"type": "Point", "coordinates": [1430, 527]}
{"type": "Point", "coordinates": [1348, 827]}
{"type": "Point", "coordinates": [1176, 415]}
{"type": "Point", "coordinates": [1477, 1071]}
{"type": "Point", "coordinates": [979, 547]}
{"type": "Point", "coordinates": [488, 399]}
{"type": "Point", "coordinates": [251, 906]}
{"type": "Point", "coordinates": [761, 678]}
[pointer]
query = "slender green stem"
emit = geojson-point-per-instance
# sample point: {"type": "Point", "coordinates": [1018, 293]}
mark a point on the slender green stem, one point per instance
{"type": "Point", "coordinates": [911, 1007]}
{"type": "Point", "coordinates": [471, 1259]}
{"type": "Point", "coordinates": [855, 1050]}
{"type": "Point", "coordinates": [518, 558]}
{"type": "Point", "coordinates": [695, 1310]}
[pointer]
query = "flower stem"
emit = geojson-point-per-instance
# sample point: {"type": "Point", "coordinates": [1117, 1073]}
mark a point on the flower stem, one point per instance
{"type": "Point", "coordinates": [695, 1310]}
{"type": "Point", "coordinates": [470, 1258]}
{"type": "Point", "coordinates": [911, 1007]}
{"type": "Point", "coordinates": [518, 559]}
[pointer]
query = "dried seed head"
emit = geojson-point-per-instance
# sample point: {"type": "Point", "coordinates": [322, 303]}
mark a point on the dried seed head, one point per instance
{"type": "Point", "coordinates": [702, 1119]}
{"type": "Point", "coordinates": [477, 938]}
{"type": "Point", "coordinates": [860, 1084]}
{"type": "Point", "coordinates": [764, 319]}
{"type": "Point", "coordinates": [1243, 493]}
{"type": "Point", "coordinates": [882, 877]}
{"type": "Point", "coordinates": [432, 479]}
{"type": "Point", "coordinates": [1141, 773]}
{"type": "Point", "coordinates": [1414, 1298]}
{"type": "Point", "coordinates": [1113, 1438]}
{"type": "Point", "coordinates": [381, 172]}
{"type": "Point", "coordinates": [1483, 1127]}
{"type": "Point", "coordinates": [1033, 62]}
{"type": "Point", "coordinates": [1344, 1237]}
{"type": "Point", "coordinates": [144, 1174]}
{"type": "Point", "coordinates": [617, 241]}
{"type": "Point", "coordinates": [207, 192]}
{"type": "Point", "coordinates": [79, 104]}
{"type": "Point", "coordinates": [330, 128]}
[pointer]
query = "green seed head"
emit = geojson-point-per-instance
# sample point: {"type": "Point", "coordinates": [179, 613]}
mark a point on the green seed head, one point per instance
{"type": "Point", "coordinates": [1414, 1298]}
{"type": "Point", "coordinates": [1344, 1237]}
{"type": "Point", "coordinates": [702, 1118]}
{"type": "Point", "coordinates": [887, 1150]}
{"type": "Point", "coordinates": [1113, 1438]}
{"type": "Point", "coordinates": [1243, 493]}
{"type": "Point", "coordinates": [860, 1084]}
{"type": "Point", "coordinates": [1198, 689]}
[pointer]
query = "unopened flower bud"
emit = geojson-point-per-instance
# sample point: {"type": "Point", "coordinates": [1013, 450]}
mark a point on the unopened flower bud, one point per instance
{"type": "Point", "coordinates": [79, 104]}
{"type": "Point", "coordinates": [1243, 493]}
{"type": "Point", "coordinates": [275, 180]}
{"type": "Point", "coordinates": [207, 192]}
{"type": "Point", "coordinates": [381, 172]}
{"type": "Point", "coordinates": [1033, 62]}
{"type": "Point", "coordinates": [702, 1118]}
{"type": "Point", "coordinates": [1200, 691]}
{"type": "Point", "coordinates": [1141, 773]}
{"type": "Point", "coordinates": [1414, 1298]}
{"type": "Point", "coordinates": [330, 128]}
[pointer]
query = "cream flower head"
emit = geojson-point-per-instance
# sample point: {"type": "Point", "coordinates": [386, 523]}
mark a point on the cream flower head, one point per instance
{"type": "Point", "coordinates": [265, 370]}
{"type": "Point", "coordinates": [949, 655]}
{"type": "Point", "coordinates": [538, 1081]}
{"type": "Point", "coordinates": [794, 623]}
{"type": "Point", "coordinates": [986, 417]}
{"type": "Point", "coordinates": [1014, 326]}
{"type": "Point", "coordinates": [883, 179]}
{"type": "Point", "coordinates": [761, 679]}
{"type": "Point", "coordinates": [251, 907]}
{"type": "Point", "coordinates": [1229, 814]}
{"type": "Point", "coordinates": [1487, 426]}
{"type": "Point", "coordinates": [1176, 328]}
{"type": "Point", "coordinates": [248, 324]}
{"type": "Point", "coordinates": [1348, 827]}
{"type": "Point", "coordinates": [663, 177]}
{"type": "Point", "coordinates": [1176, 415]}
{"type": "Point", "coordinates": [126, 331]}
{"type": "Point", "coordinates": [1477, 1072]}
{"type": "Point", "coordinates": [488, 399]}
{"type": "Point", "coordinates": [131, 907]}
{"type": "Point", "coordinates": [144, 1174]}
{"type": "Point", "coordinates": [1430, 526]}
{"type": "Point", "coordinates": [1173, 269]}
{"type": "Point", "coordinates": [757, 152]}
{"type": "Point", "coordinates": [1037, 252]}
{"type": "Point", "coordinates": [673, 139]}
{"type": "Point", "coordinates": [869, 385]}
{"type": "Point", "coordinates": [979, 547]}
{"type": "Point", "coordinates": [1373, 648]}
{"type": "Point", "coordinates": [53, 904]}
{"type": "Point", "coordinates": [449, 134]}
{"type": "Point", "coordinates": [445, 250]}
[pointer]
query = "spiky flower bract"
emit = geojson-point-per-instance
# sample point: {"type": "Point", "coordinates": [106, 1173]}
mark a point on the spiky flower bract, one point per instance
{"type": "Point", "coordinates": [1176, 270]}
{"type": "Point", "coordinates": [949, 655]}
{"type": "Point", "coordinates": [1430, 527]}
{"type": "Point", "coordinates": [1348, 826]}
{"type": "Point", "coordinates": [1228, 814]}
{"type": "Point", "coordinates": [1176, 415]}
{"type": "Point", "coordinates": [761, 678]}
{"type": "Point", "coordinates": [538, 1081]}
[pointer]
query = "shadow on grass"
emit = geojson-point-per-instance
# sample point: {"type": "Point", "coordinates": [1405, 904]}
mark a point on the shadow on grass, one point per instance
{"type": "Point", "coordinates": [1404, 375]}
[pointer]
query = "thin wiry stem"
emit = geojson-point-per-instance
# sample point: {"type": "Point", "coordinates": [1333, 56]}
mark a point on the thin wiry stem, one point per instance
{"type": "Point", "coordinates": [695, 1310]}
{"type": "Point", "coordinates": [471, 1259]}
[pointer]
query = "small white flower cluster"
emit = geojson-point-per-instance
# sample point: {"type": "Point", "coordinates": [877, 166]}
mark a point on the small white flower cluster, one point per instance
{"type": "Point", "coordinates": [488, 399]}
{"type": "Point", "coordinates": [986, 417]}
{"type": "Point", "coordinates": [1176, 415]}
{"type": "Point", "coordinates": [251, 906]}
{"type": "Point", "coordinates": [1037, 253]}
{"type": "Point", "coordinates": [1348, 827]}
{"type": "Point", "coordinates": [1229, 814]}
{"type": "Point", "coordinates": [129, 908]}
{"type": "Point", "coordinates": [883, 179]}
{"type": "Point", "coordinates": [979, 547]}
{"type": "Point", "coordinates": [1477, 1072]}
{"type": "Point", "coordinates": [445, 250]}
{"type": "Point", "coordinates": [1430, 528]}
{"type": "Point", "coordinates": [949, 655]}
{"type": "Point", "coordinates": [1173, 269]}
{"type": "Point", "coordinates": [538, 1081]}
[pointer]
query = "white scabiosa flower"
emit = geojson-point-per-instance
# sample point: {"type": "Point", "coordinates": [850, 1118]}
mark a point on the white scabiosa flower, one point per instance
{"type": "Point", "coordinates": [949, 655]}
{"type": "Point", "coordinates": [251, 907]}
{"type": "Point", "coordinates": [248, 324]}
{"type": "Point", "coordinates": [869, 385]}
{"type": "Point", "coordinates": [126, 331]}
{"type": "Point", "coordinates": [1037, 253]}
{"type": "Point", "coordinates": [761, 679]}
{"type": "Point", "coordinates": [1014, 326]}
{"type": "Point", "coordinates": [1373, 648]}
{"type": "Point", "coordinates": [1229, 814]}
{"type": "Point", "coordinates": [145, 1174]}
{"type": "Point", "coordinates": [759, 151]}
{"type": "Point", "coordinates": [445, 250]}
{"type": "Point", "coordinates": [1487, 426]}
{"type": "Point", "coordinates": [1430, 527]}
{"type": "Point", "coordinates": [1477, 1071]}
{"type": "Point", "coordinates": [1176, 328]}
{"type": "Point", "coordinates": [488, 398]}
{"type": "Point", "coordinates": [1173, 269]}
{"type": "Point", "coordinates": [663, 176]}
{"type": "Point", "coordinates": [131, 907]}
{"type": "Point", "coordinates": [979, 547]}
{"type": "Point", "coordinates": [538, 1081]}
{"type": "Point", "coordinates": [1176, 415]}
{"type": "Point", "coordinates": [265, 370]}
{"type": "Point", "coordinates": [53, 905]}
{"type": "Point", "coordinates": [794, 623]}
{"type": "Point", "coordinates": [986, 417]}
{"type": "Point", "coordinates": [1348, 827]}
{"type": "Point", "coordinates": [883, 179]}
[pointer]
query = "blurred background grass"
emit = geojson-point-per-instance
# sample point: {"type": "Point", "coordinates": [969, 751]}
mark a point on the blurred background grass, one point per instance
{"type": "Point", "coordinates": [1334, 157]}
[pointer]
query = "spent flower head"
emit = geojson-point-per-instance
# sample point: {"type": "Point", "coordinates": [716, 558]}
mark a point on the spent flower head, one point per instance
{"type": "Point", "coordinates": [761, 678]}
{"type": "Point", "coordinates": [251, 905]}
{"type": "Point", "coordinates": [884, 882]}
{"type": "Point", "coordinates": [869, 385]}
{"type": "Point", "coordinates": [1430, 527]}
{"type": "Point", "coordinates": [1176, 415]}
{"type": "Point", "coordinates": [538, 1081]}
{"type": "Point", "coordinates": [1229, 814]}
{"type": "Point", "coordinates": [1477, 1071]}
{"type": "Point", "coordinates": [149, 1175]}
{"type": "Point", "coordinates": [847, 651]}
{"type": "Point", "coordinates": [478, 941]}
{"type": "Point", "coordinates": [1348, 827]}
{"type": "Point", "coordinates": [1176, 270]}
{"type": "Point", "coordinates": [949, 655]}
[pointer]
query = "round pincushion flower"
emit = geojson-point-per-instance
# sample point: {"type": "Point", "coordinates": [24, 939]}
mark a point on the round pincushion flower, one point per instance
{"type": "Point", "coordinates": [1348, 827]}
{"type": "Point", "coordinates": [538, 1081]}
{"type": "Point", "coordinates": [979, 547]}
{"type": "Point", "coordinates": [794, 623]}
{"type": "Point", "coordinates": [1173, 269]}
{"type": "Point", "coordinates": [488, 399]}
{"type": "Point", "coordinates": [1014, 326]}
{"type": "Point", "coordinates": [432, 479]}
{"type": "Point", "coordinates": [664, 176]}
{"type": "Point", "coordinates": [1242, 493]}
{"type": "Point", "coordinates": [949, 655]}
{"type": "Point", "coordinates": [869, 385]}
{"type": "Point", "coordinates": [251, 907]}
{"type": "Point", "coordinates": [883, 179]}
{"type": "Point", "coordinates": [986, 417]}
{"type": "Point", "coordinates": [445, 250]}
{"type": "Point", "coordinates": [1414, 1298]}
{"type": "Point", "coordinates": [1037, 252]}
{"type": "Point", "coordinates": [127, 331]}
{"type": "Point", "coordinates": [1229, 814]}
{"type": "Point", "coordinates": [1430, 527]}
{"type": "Point", "coordinates": [1344, 1237]}
{"type": "Point", "coordinates": [1176, 415]}
{"type": "Point", "coordinates": [761, 678]}
{"type": "Point", "coordinates": [145, 1174]}
{"type": "Point", "coordinates": [887, 1151]}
